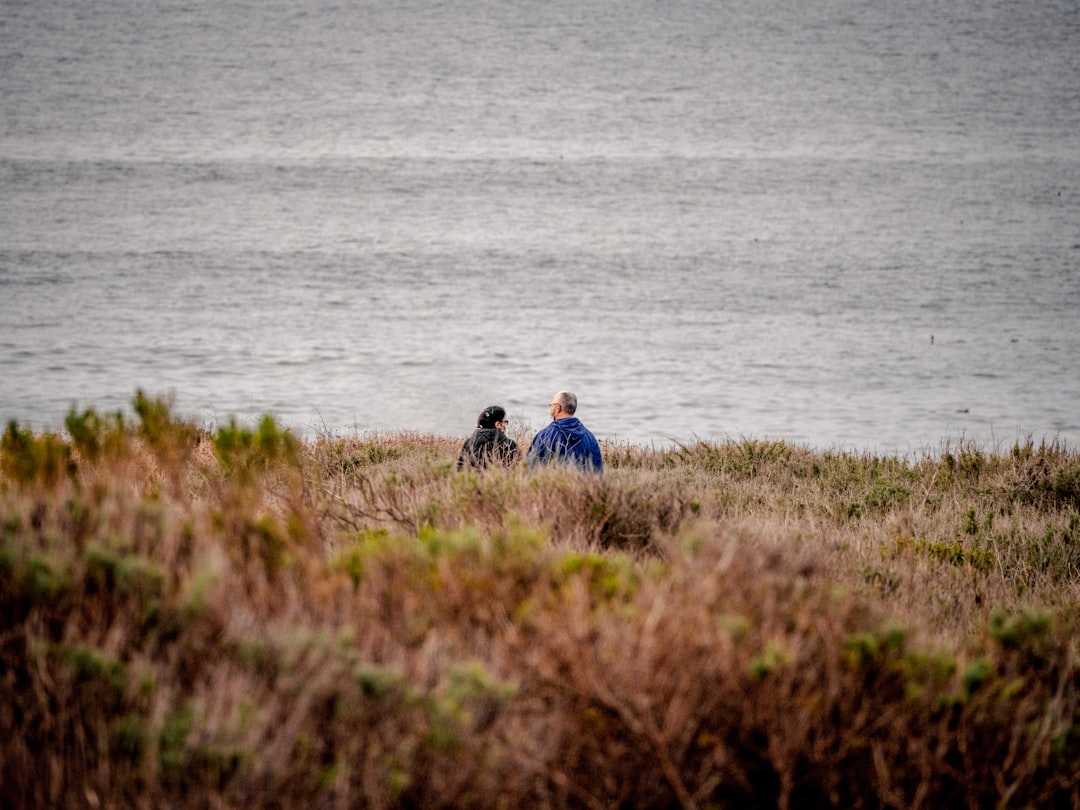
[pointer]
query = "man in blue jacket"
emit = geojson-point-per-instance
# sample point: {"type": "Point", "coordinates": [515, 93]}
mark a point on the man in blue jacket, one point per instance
{"type": "Point", "coordinates": [566, 440]}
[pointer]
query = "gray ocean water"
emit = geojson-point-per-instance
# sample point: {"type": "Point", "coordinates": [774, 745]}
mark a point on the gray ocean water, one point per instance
{"type": "Point", "coordinates": [840, 224]}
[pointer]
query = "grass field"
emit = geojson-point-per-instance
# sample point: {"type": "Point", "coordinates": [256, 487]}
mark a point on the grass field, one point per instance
{"type": "Point", "coordinates": [236, 618]}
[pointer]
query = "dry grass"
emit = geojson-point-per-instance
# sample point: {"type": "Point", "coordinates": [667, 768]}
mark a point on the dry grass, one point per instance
{"type": "Point", "coordinates": [237, 619]}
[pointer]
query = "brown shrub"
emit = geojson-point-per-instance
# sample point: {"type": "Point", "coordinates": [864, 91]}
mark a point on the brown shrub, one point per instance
{"type": "Point", "coordinates": [236, 619]}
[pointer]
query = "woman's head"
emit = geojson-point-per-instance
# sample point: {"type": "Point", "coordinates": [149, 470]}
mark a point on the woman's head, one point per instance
{"type": "Point", "coordinates": [491, 417]}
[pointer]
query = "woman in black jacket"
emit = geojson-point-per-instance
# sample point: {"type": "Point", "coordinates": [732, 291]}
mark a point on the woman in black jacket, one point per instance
{"type": "Point", "coordinates": [488, 442]}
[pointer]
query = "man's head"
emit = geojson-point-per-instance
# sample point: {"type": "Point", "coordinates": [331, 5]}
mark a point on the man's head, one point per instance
{"type": "Point", "coordinates": [563, 404]}
{"type": "Point", "coordinates": [493, 416]}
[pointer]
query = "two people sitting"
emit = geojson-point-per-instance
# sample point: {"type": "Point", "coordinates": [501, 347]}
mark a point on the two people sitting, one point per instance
{"type": "Point", "coordinates": [564, 441]}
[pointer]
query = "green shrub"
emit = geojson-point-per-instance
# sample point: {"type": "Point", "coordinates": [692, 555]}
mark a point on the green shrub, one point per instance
{"type": "Point", "coordinates": [27, 459]}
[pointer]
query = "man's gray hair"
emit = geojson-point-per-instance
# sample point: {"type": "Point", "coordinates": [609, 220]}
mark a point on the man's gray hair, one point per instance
{"type": "Point", "coordinates": [568, 401]}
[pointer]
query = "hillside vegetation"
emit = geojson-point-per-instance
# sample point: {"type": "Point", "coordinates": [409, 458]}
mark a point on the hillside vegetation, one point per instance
{"type": "Point", "coordinates": [237, 618]}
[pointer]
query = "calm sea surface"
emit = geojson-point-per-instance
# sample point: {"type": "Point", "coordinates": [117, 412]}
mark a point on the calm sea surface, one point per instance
{"type": "Point", "coordinates": [840, 223]}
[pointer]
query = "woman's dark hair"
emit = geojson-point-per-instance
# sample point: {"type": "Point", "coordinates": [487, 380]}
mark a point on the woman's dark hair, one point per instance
{"type": "Point", "coordinates": [491, 415]}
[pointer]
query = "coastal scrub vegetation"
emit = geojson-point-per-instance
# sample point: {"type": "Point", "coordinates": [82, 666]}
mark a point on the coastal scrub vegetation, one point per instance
{"type": "Point", "coordinates": [232, 617]}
